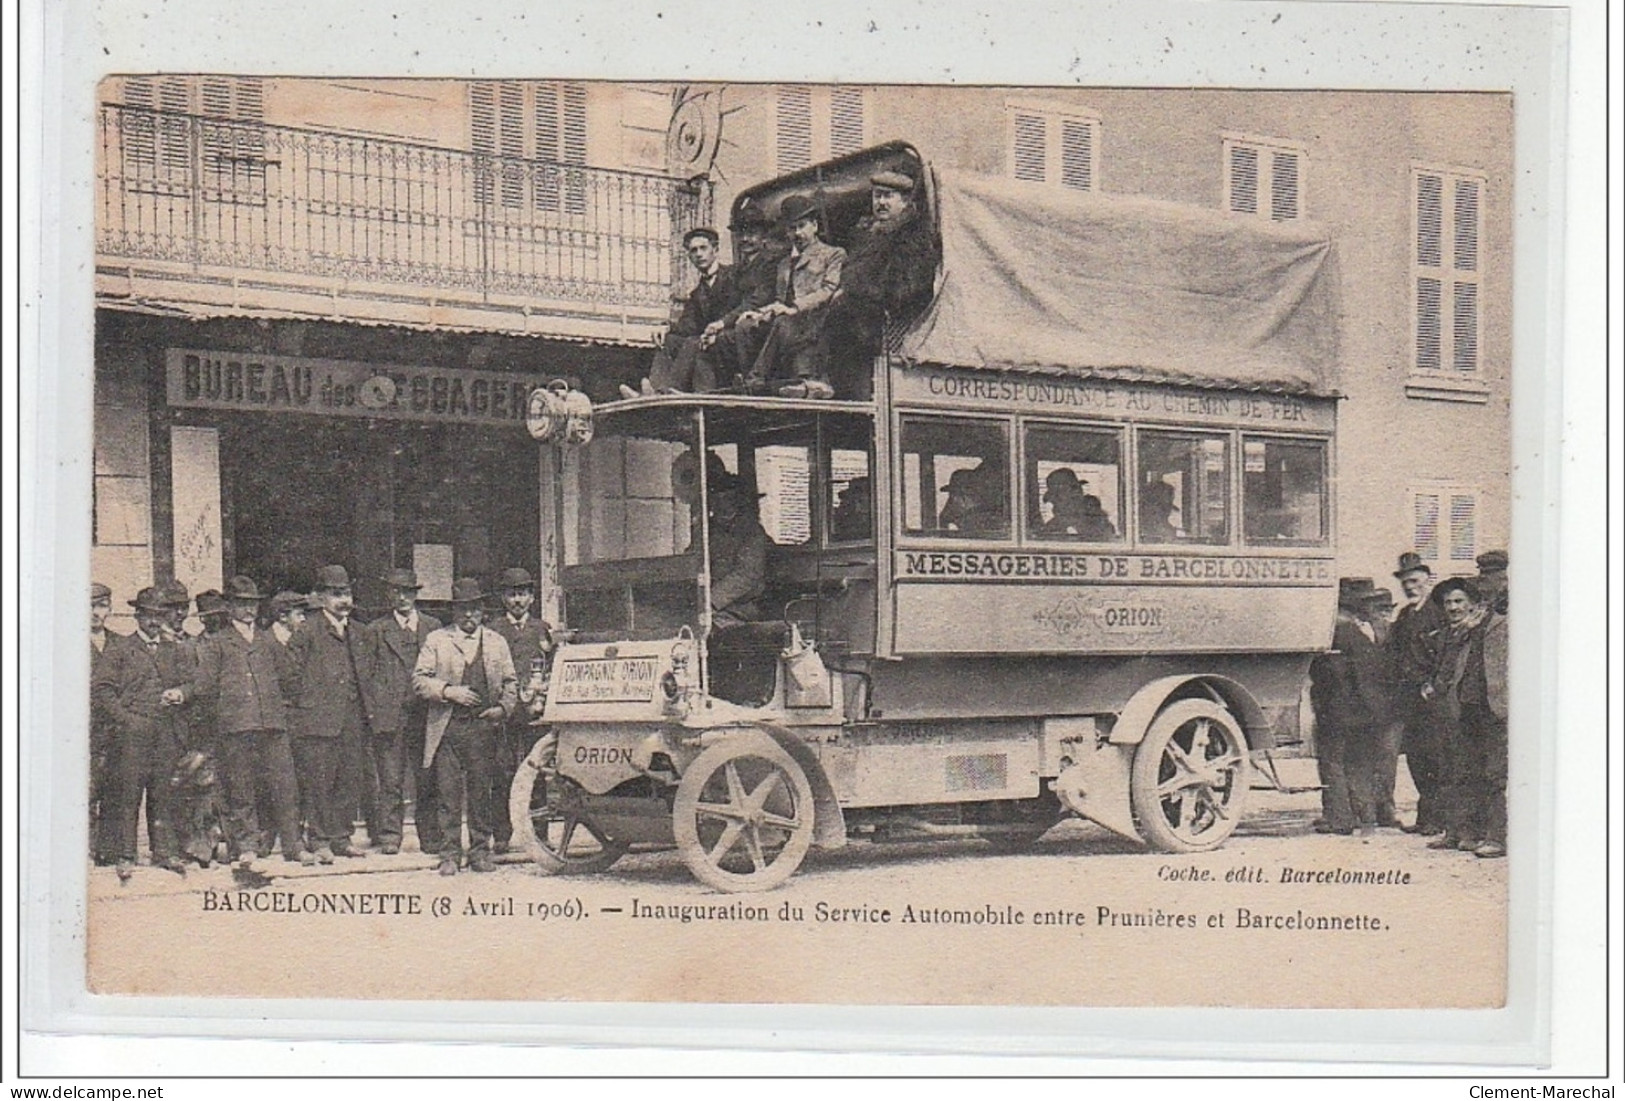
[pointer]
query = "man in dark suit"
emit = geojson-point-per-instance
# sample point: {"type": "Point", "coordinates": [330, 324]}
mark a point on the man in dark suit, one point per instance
{"type": "Point", "coordinates": [396, 716]}
{"type": "Point", "coordinates": [101, 604]}
{"type": "Point", "coordinates": [1413, 644]}
{"type": "Point", "coordinates": [530, 643]}
{"type": "Point", "coordinates": [685, 362]}
{"type": "Point", "coordinates": [327, 720]}
{"type": "Point", "coordinates": [1346, 691]}
{"type": "Point", "coordinates": [242, 674]}
{"type": "Point", "coordinates": [132, 689]}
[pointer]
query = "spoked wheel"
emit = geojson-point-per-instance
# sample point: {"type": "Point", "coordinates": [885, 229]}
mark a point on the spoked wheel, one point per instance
{"type": "Point", "coordinates": [743, 815]}
{"type": "Point", "coordinates": [545, 810]}
{"type": "Point", "coordinates": [1189, 784]}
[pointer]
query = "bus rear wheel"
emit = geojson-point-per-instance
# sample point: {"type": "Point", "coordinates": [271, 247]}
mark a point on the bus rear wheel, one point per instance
{"type": "Point", "coordinates": [1189, 781]}
{"type": "Point", "coordinates": [743, 814]}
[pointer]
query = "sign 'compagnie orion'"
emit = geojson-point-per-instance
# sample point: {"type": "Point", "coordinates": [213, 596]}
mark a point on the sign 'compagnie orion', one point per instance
{"type": "Point", "coordinates": [252, 383]}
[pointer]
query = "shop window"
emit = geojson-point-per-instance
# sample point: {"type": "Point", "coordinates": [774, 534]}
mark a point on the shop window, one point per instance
{"type": "Point", "coordinates": [956, 480]}
{"type": "Point", "coordinates": [1283, 489]}
{"type": "Point", "coordinates": [1184, 488]}
{"type": "Point", "coordinates": [1073, 484]}
{"type": "Point", "coordinates": [1263, 177]}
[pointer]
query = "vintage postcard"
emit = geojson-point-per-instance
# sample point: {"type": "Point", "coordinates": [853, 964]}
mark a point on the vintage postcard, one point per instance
{"type": "Point", "coordinates": [800, 543]}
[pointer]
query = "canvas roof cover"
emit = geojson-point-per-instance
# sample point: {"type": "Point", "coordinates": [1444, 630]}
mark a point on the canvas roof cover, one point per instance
{"type": "Point", "coordinates": [1040, 278]}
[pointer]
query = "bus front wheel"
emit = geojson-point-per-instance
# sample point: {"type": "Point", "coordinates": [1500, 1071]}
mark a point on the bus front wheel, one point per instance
{"type": "Point", "coordinates": [1189, 781]}
{"type": "Point", "coordinates": [743, 814]}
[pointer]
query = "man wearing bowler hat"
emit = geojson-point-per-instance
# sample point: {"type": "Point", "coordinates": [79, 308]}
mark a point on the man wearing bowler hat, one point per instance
{"type": "Point", "coordinates": [757, 252]}
{"type": "Point", "coordinates": [530, 642]}
{"type": "Point", "coordinates": [1349, 705]}
{"type": "Point", "coordinates": [1413, 647]}
{"type": "Point", "coordinates": [791, 362]}
{"type": "Point", "coordinates": [465, 673]}
{"type": "Point", "coordinates": [288, 610]}
{"type": "Point", "coordinates": [242, 673]}
{"type": "Point", "coordinates": [890, 273]}
{"type": "Point", "coordinates": [328, 660]}
{"type": "Point", "coordinates": [130, 689]}
{"type": "Point", "coordinates": [397, 716]}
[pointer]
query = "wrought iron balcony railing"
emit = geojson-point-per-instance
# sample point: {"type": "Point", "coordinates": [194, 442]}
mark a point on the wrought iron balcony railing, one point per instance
{"type": "Point", "coordinates": [216, 192]}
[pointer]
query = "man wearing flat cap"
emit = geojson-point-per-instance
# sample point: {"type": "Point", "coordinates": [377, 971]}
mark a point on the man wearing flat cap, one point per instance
{"type": "Point", "coordinates": [685, 363]}
{"type": "Point", "coordinates": [242, 673]}
{"type": "Point", "coordinates": [465, 674]}
{"type": "Point", "coordinates": [791, 362]}
{"type": "Point", "coordinates": [326, 715]}
{"type": "Point", "coordinates": [131, 690]}
{"type": "Point", "coordinates": [530, 642]}
{"type": "Point", "coordinates": [1492, 580]}
{"type": "Point", "coordinates": [396, 716]}
{"type": "Point", "coordinates": [1413, 647]}
{"type": "Point", "coordinates": [890, 274]}
{"type": "Point", "coordinates": [1471, 683]}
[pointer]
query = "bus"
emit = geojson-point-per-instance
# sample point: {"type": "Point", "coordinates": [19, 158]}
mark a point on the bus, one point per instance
{"type": "Point", "coordinates": [1071, 556]}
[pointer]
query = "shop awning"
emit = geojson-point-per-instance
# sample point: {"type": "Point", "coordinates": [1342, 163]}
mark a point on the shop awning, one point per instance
{"type": "Point", "coordinates": [1039, 278]}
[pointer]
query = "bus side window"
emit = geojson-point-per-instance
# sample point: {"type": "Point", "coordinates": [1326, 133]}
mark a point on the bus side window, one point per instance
{"type": "Point", "coordinates": [1074, 484]}
{"type": "Point", "coordinates": [1184, 487]}
{"type": "Point", "coordinates": [851, 496]}
{"type": "Point", "coordinates": [956, 480]}
{"type": "Point", "coordinates": [1283, 489]}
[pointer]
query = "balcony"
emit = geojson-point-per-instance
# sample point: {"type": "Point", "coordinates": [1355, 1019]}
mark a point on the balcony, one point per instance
{"type": "Point", "coordinates": [207, 216]}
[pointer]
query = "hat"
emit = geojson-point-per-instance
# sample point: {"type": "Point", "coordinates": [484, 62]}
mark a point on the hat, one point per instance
{"type": "Point", "coordinates": [466, 590]}
{"type": "Point", "coordinates": [1492, 560]}
{"type": "Point", "coordinates": [1464, 584]}
{"type": "Point", "coordinates": [286, 601]}
{"type": "Point", "coordinates": [150, 599]}
{"type": "Point", "coordinates": [1062, 475]}
{"type": "Point", "coordinates": [210, 602]}
{"type": "Point", "coordinates": [1411, 562]}
{"type": "Point", "coordinates": [516, 578]}
{"type": "Point", "coordinates": [1354, 591]}
{"type": "Point", "coordinates": [1380, 593]}
{"type": "Point", "coordinates": [701, 231]}
{"type": "Point", "coordinates": [243, 588]}
{"type": "Point", "coordinates": [892, 181]}
{"type": "Point", "coordinates": [98, 591]}
{"type": "Point", "coordinates": [962, 479]}
{"type": "Point", "coordinates": [749, 216]}
{"type": "Point", "coordinates": [797, 208]}
{"type": "Point", "coordinates": [332, 577]}
{"type": "Point", "coordinates": [402, 579]}
{"type": "Point", "coordinates": [173, 593]}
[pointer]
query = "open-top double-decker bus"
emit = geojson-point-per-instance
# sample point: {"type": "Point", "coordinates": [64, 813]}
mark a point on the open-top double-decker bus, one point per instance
{"type": "Point", "coordinates": [1072, 557]}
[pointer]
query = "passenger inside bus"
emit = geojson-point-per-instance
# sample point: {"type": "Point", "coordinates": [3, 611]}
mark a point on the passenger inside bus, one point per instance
{"type": "Point", "coordinates": [1156, 508]}
{"type": "Point", "coordinates": [852, 519]}
{"type": "Point", "coordinates": [1074, 513]}
{"type": "Point", "coordinates": [974, 504]}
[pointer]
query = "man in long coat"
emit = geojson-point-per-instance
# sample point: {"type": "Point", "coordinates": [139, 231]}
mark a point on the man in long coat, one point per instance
{"type": "Point", "coordinates": [101, 603]}
{"type": "Point", "coordinates": [465, 674]}
{"type": "Point", "coordinates": [327, 720]}
{"type": "Point", "coordinates": [242, 674]}
{"type": "Point", "coordinates": [1349, 704]}
{"type": "Point", "coordinates": [129, 690]}
{"type": "Point", "coordinates": [397, 716]}
{"type": "Point", "coordinates": [1413, 649]}
{"type": "Point", "coordinates": [530, 642]}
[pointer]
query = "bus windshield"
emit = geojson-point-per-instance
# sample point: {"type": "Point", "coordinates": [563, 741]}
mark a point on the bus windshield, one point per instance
{"type": "Point", "coordinates": [633, 492]}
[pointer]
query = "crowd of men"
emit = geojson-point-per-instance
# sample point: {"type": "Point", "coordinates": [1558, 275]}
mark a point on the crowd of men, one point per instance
{"type": "Point", "coordinates": [796, 315]}
{"type": "Point", "coordinates": [281, 730]}
{"type": "Point", "coordinates": [1428, 682]}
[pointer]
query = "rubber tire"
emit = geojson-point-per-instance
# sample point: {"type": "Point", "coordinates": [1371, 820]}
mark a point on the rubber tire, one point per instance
{"type": "Point", "coordinates": [763, 753]}
{"type": "Point", "coordinates": [548, 860]}
{"type": "Point", "coordinates": [1145, 777]}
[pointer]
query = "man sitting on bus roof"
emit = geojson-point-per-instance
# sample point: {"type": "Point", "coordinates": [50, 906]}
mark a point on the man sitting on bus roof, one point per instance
{"type": "Point", "coordinates": [685, 361]}
{"type": "Point", "coordinates": [792, 362]}
{"type": "Point", "coordinates": [890, 272]}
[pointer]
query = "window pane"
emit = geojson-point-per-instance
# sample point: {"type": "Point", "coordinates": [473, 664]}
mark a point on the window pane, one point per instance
{"type": "Point", "coordinates": [851, 496]}
{"type": "Point", "coordinates": [1283, 485]}
{"type": "Point", "coordinates": [629, 497]}
{"type": "Point", "coordinates": [1184, 488]}
{"type": "Point", "coordinates": [956, 479]}
{"type": "Point", "coordinates": [784, 480]}
{"type": "Point", "coordinates": [1074, 485]}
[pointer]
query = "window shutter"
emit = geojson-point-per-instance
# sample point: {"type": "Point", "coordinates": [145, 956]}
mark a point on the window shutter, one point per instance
{"type": "Point", "coordinates": [1283, 186]}
{"type": "Point", "coordinates": [250, 106]}
{"type": "Point", "coordinates": [845, 121]}
{"type": "Point", "coordinates": [1077, 154]}
{"type": "Point", "coordinates": [1463, 538]}
{"type": "Point", "coordinates": [216, 97]}
{"type": "Point", "coordinates": [575, 124]}
{"type": "Point", "coordinates": [140, 130]}
{"type": "Point", "coordinates": [1466, 225]}
{"type": "Point", "coordinates": [1425, 516]}
{"type": "Point", "coordinates": [482, 135]}
{"type": "Point", "coordinates": [1028, 151]}
{"type": "Point", "coordinates": [1429, 221]}
{"type": "Point", "coordinates": [511, 141]}
{"type": "Point", "coordinates": [1243, 179]}
{"type": "Point", "coordinates": [174, 96]}
{"type": "Point", "coordinates": [1465, 327]}
{"type": "Point", "coordinates": [794, 136]}
{"type": "Point", "coordinates": [547, 122]}
{"type": "Point", "coordinates": [1428, 323]}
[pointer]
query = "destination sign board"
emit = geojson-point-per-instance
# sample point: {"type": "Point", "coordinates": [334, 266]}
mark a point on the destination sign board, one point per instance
{"type": "Point", "coordinates": [606, 680]}
{"type": "Point", "coordinates": [1012, 392]}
